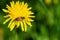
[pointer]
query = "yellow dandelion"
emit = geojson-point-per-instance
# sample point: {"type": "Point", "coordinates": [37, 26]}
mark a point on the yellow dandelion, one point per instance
{"type": "Point", "coordinates": [48, 2]}
{"type": "Point", "coordinates": [19, 14]}
{"type": "Point", "coordinates": [55, 1]}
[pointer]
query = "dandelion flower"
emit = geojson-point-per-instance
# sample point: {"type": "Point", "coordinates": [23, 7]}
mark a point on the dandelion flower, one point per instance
{"type": "Point", "coordinates": [19, 14]}
{"type": "Point", "coordinates": [48, 1]}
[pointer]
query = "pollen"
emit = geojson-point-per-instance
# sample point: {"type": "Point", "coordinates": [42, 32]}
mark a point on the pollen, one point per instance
{"type": "Point", "coordinates": [18, 13]}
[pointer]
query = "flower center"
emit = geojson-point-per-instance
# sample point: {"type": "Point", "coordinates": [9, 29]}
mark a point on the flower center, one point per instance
{"type": "Point", "coordinates": [20, 18]}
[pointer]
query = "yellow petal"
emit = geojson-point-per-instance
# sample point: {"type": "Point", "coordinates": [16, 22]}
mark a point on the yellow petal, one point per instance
{"type": "Point", "coordinates": [23, 3]}
{"type": "Point", "coordinates": [6, 16]}
{"type": "Point", "coordinates": [18, 24]}
{"type": "Point", "coordinates": [30, 19]}
{"type": "Point", "coordinates": [10, 22]}
{"type": "Point", "coordinates": [22, 26]}
{"type": "Point", "coordinates": [32, 16]}
{"type": "Point", "coordinates": [25, 26]}
{"type": "Point", "coordinates": [12, 4]}
{"type": "Point", "coordinates": [26, 5]}
{"type": "Point", "coordinates": [5, 10]}
{"type": "Point", "coordinates": [9, 8]}
{"type": "Point", "coordinates": [29, 24]}
{"type": "Point", "coordinates": [31, 12]}
{"type": "Point", "coordinates": [17, 3]}
{"type": "Point", "coordinates": [12, 26]}
{"type": "Point", "coordinates": [6, 20]}
{"type": "Point", "coordinates": [29, 8]}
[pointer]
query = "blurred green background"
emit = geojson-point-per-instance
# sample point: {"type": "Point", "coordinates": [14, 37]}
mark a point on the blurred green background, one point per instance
{"type": "Point", "coordinates": [45, 27]}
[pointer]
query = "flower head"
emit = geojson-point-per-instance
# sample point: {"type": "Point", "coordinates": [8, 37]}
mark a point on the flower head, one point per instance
{"type": "Point", "coordinates": [19, 14]}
